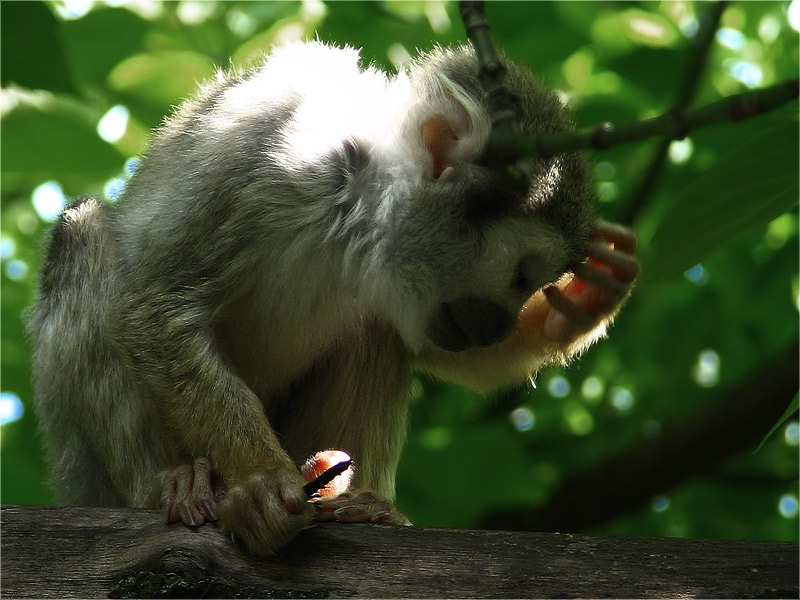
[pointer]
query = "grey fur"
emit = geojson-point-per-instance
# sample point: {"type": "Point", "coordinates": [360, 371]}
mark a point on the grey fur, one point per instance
{"type": "Point", "coordinates": [256, 276]}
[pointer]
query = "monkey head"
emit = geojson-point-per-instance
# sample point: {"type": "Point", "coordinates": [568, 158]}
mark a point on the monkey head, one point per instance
{"type": "Point", "coordinates": [455, 249]}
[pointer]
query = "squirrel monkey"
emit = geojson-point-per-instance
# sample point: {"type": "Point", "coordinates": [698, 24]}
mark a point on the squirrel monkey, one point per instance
{"type": "Point", "coordinates": [296, 240]}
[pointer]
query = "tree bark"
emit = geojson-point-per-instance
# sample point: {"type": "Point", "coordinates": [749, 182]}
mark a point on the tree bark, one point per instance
{"type": "Point", "coordinates": [76, 552]}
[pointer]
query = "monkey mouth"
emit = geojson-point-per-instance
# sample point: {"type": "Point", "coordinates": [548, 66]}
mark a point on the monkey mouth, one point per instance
{"type": "Point", "coordinates": [443, 330]}
{"type": "Point", "coordinates": [469, 321]}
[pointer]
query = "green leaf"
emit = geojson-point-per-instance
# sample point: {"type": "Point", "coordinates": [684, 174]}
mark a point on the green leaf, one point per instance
{"type": "Point", "coordinates": [32, 52]}
{"type": "Point", "coordinates": [53, 138]}
{"type": "Point", "coordinates": [749, 187]}
{"type": "Point", "coordinates": [793, 407]}
{"type": "Point", "coordinates": [100, 40]}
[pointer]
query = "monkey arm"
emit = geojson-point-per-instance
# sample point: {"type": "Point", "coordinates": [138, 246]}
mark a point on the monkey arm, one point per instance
{"type": "Point", "coordinates": [556, 323]}
{"type": "Point", "coordinates": [212, 413]}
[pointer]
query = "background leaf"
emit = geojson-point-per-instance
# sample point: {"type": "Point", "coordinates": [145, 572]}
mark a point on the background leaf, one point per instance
{"type": "Point", "coordinates": [681, 348]}
{"type": "Point", "coordinates": [746, 189]}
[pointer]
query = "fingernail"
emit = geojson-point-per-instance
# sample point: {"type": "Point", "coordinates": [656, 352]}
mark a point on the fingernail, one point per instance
{"type": "Point", "coordinates": [347, 511]}
{"type": "Point", "coordinates": [210, 509]}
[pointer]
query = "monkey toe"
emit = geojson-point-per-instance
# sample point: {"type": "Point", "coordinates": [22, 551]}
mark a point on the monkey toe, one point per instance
{"type": "Point", "coordinates": [360, 507]}
{"type": "Point", "coordinates": [190, 493]}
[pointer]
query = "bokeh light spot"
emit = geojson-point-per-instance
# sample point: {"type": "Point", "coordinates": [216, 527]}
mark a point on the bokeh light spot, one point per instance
{"type": "Point", "coordinates": [49, 200]}
{"type": "Point", "coordinates": [11, 408]}
{"type": "Point", "coordinates": [788, 506]}
{"type": "Point", "coordinates": [522, 418]}
{"type": "Point", "coordinates": [113, 124]}
{"type": "Point", "coordinates": [706, 370]}
{"type": "Point", "coordinates": [659, 503]}
{"type": "Point", "coordinates": [558, 386]}
{"type": "Point", "coordinates": [697, 275]}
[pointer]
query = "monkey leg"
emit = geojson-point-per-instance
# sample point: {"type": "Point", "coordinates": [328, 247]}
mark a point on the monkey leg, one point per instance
{"type": "Point", "coordinates": [190, 493]}
{"type": "Point", "coordinates": [355, 399]}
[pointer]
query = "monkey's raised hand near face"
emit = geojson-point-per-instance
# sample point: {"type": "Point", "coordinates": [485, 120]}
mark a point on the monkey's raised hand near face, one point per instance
{"type": "Point", "coordinates": [295, 240]}
{"type": "Point", "coordinates": [599, 287]}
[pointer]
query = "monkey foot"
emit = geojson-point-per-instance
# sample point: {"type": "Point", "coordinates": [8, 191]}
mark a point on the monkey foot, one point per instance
{"type": "Point", "coordinates": [360, 506]}
{"type": "Point", "coordinates": [190, 493]}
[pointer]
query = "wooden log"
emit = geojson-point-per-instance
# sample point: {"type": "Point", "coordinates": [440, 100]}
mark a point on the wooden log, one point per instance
{"type": "Point", "coordinates": [78, 552]}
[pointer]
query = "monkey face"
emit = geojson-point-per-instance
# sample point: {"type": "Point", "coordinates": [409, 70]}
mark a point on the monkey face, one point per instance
{"type": "Point", "coordinates": [466, 248]}
{"type": "Point", "coordinates": [459, 274]}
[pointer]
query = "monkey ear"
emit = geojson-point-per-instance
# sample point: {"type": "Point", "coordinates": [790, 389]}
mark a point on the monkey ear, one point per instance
{"type": "Point", "coordinates": [439, 139]}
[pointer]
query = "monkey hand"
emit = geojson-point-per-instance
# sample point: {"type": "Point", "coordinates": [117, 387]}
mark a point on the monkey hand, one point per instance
{"type": "Point", "coordinates": [190, 493]}
{"type": "Point", "coordinates": [266, 509]}
{"type": "Point", "coordinates": [599, 287]}
{"type": "Point", "coordinates": [359, 506]}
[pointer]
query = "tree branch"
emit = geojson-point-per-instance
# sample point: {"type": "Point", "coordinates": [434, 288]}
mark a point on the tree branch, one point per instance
{"type": "Point", "coordinates": [93, 552]}
{"type": "Point", "coordinates": [491, 74]}
{"type": "Point", "coordinates": [673, 125]}
{"type": "Point", "coordinates": [622, 483]}
{"type": "Point", "coordinates": [695, 65]}
{"type": "Point", "coordinates": [505, 147]}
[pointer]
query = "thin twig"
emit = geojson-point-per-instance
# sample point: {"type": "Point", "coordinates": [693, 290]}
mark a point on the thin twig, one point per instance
{"type": "Point", "coordinates": [696, 61]}
{"type": "Point", "coordinates": [491, 75]}
{"type": "Point", "coordinates": [673, 125]}
{"type": "Point", "coordinates": [505, 146]}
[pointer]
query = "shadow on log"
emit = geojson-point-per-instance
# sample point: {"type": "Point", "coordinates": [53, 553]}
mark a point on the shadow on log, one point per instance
{"type": "Point", "coordinates": [76, 552]}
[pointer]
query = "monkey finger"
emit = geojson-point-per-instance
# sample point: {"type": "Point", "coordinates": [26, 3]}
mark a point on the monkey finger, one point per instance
{"type": "Point", "coordinates": [624, 266]}
{"type": "Point", "coordinates": [607, 283]}
{"type": "Point", "coordinates": [574, 313]}
{"type": "Point", "coordinates": [622, 237]}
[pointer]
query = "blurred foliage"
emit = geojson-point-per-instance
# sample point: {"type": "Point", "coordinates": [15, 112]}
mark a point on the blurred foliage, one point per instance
{"type": "Point", "coordinates": [724, 208]}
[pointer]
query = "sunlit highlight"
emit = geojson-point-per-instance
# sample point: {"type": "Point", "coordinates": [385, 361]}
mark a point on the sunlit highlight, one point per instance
{"type": "Point", "coordinates": [579, 420]}
{"type": "Point", "coordinates": [659, 503]}
{"type": "Point", "coordinates": [437, 16]}
{"type": "Point", "coordinates": [48, 200]}
{"type": "Point", "coordinates": [8, 247]}
{"type": "Point", "coordinates": [593, 388]}
{"type": "Point", "coordinates": [705, 371]}
{"type": "Point", "coordinates": [748, 73]}
{"type": "Point", "coordinates": [11, 408]}
{"type": "Point", "coordinates": [730, 38]}
{"type": "Point", "coordinates": [192, 12]}
{"type": "Point", "coordinates": [16, 269]}
{"type": "Point", "coordinates": [621, 399]}
{"type": "Point", "coordinates": [113, 188]}
{"type": "Point", "coordinates": [73, 9]}
{"type": "Point", "coordinates": [680, 151]}
{"type": "Point", "coordinates": [788, 506]}
{"type": "Point", "coordinates": [697, 275]}
{"type": "Point", "coordinates": [793, 15]}
{"type": "Point", "coordinates": [791, 434]}
{"type": "Point", "coordinates": [558, 386]}
{"type": "Point", "coordinates": [689, 26]}
{"type": "Point", "coordinates": [112, 126]}
{"type": "Point", "coordinates": [240, 23]}
{"type": "Point", "coordinates": [769, 28]}
{"type": "Point", "coordinates": [780, 230]}
{"type": "Point", "coordinates": [522, 418]}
